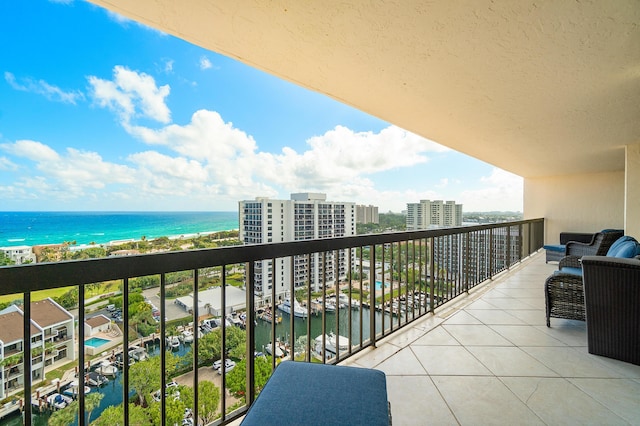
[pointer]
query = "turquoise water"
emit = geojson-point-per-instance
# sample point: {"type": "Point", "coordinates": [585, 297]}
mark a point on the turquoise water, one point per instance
{"type": "Point", "coordinates": [34, 228]}
{"type": "Point", "coordinates": [379, 285]}
{"type": "Point", "coordinates": [95, 342]}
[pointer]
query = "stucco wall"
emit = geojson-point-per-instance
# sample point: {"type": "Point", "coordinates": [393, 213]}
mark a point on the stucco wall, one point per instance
{"type": "Point", "coordinates": [632, 213]}
{"type": "Point", "coordinates": [578, 203]}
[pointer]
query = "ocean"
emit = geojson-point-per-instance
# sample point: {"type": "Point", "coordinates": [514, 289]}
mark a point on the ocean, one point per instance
{"type": "Point", "coordinates": [35, 228]}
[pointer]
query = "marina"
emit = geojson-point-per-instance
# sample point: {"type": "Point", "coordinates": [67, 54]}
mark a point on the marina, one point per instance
{"type": "Point", "coordinates": [342, 328]}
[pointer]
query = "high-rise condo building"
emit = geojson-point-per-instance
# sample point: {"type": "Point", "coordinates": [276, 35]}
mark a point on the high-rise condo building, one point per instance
{"type": "Point", "coordinates": [305, 216]}
{"type": "Point", "coordinates": [367, 214]}
{"type": "Point", "coordinates": [433, 214]}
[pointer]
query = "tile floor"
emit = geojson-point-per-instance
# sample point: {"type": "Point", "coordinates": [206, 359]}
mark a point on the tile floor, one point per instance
{"type": "Point", "coordinates": [490, 359]}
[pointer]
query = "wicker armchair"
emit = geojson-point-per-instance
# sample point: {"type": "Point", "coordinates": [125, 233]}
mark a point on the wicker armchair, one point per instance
{"type": "Point", "coordinates": [599, 246]}
{"type": "Point", "coordinates": [612, 296]}
{"type": "Point", "coordinates": [564, 290]}
{"type": "Point", "coordinates": [564, 297]}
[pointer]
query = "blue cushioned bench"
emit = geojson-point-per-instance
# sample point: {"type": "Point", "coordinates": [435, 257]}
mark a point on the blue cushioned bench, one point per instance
{"type": "Point", "coordinates": [301, 393]}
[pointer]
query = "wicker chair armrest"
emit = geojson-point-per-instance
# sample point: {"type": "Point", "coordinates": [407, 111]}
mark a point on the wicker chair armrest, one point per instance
{"type": "Point", "coordinates": [578, 249]}
{"type": "Point", "coordinates": [580, 237]}
{"type": "Point", "coordinates": [563, 282]}
{"type": "Point", "coordinates": [569, 262]}
{"type": "Point", "coordinates": [606, 262]}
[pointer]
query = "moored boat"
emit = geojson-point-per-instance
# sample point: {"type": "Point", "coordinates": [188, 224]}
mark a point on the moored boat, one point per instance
{"type": "Point", "coordinates": [298, 310]}
{"type": "Point", "coordinates": [187, 336]}
{"type": "Point", "coordinates": [58, 401]}
{"type": "Point", "coordinates": [106, 368]}
{"type": "Point", "coordinates": [333, 344]}
{"type": "Point", "coordinates": [93, 378]}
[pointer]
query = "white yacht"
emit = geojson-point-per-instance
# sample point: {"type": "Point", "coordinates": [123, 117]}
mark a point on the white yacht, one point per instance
{"type": "Point", "coordinates": [332, 342]}
{"type": "Point", "coordinates": [106, 368]}
{"type": "Point", "coordinates": [187, 336]}
{"type": "Point", "coordinates": [298, 310]}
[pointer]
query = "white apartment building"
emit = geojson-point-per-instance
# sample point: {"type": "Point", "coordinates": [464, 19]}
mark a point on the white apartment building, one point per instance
{"type": "Point", "coordinates": [19, 254]}
{"type": "Point", "coordinates": [52, 341]}
{"type": "Point", "coordinates": [433, 214]}
{"type": "Point", "coordinates": [367, 214]}
{"type": "Point", "coordinates": [305, 216]}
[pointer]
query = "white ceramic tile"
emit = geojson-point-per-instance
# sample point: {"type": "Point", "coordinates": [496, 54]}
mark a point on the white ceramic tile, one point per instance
{"type": "Point", "coordinates": [484, 401]}
{"type": "Point", "coordinates": [557, 401]}
{"type": "Point", "coordinates": [530, 316]}
{"type": "Point", "coordinates": [496, 316]}
{"type": "Point", "coordinates": [522, 335]}
{"type": "Point", "coordinates": [462, 317]}
{"type": "Point", "coordinates": [510, 361]}
{"type": "Point", "coordinates": [620, 396]}
{"type": "Point", "coordinates": [436, 337]}
{"type": "Point", "coordinates": [566, 331]}
{"type": "Point", "coordinates": [403, 363]}
{"type": "Point", "coordinates": [476, 335]}
{"type": "Point", "coordinates": [481, 304]}
{"type": "Point", "coordinates": [568, 362]}
{"type": "Point", "coordinates": [416, 401]}
{"type": "Point", "coordinates": [507, 303]}
{"type": "Point", "coordinates": [449, 360]}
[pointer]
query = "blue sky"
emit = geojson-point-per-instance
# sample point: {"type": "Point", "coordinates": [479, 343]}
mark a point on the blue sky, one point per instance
{"type": "Point", "coordinates": [101, 113]}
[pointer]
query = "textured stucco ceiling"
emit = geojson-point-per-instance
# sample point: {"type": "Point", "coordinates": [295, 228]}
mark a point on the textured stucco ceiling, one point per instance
{"type": "Point", "coordinates": [539, 88]}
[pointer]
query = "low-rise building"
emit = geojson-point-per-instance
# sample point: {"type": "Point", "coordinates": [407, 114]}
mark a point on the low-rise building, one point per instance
{"type": "Point", "coordinates": [19, 254]}
{"type": "Point", "coordinates": [52, 342]}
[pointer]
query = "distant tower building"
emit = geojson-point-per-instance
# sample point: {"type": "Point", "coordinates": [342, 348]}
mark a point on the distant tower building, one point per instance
{"type": "Point", "coordinates": [433, 214]}
{"type": "Point", "coordinates": [306, 216]}
{"type": "Point", "coordinates": [367, 214]}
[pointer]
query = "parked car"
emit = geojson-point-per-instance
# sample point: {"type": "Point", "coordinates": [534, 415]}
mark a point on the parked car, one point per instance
{"type": "Point", "coordinates": [228, 366]}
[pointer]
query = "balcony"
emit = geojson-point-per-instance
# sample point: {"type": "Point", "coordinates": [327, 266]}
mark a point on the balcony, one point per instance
{"type": "Point", "coordinates": [423, 270]}
{"type": "Point", "coordinates": [488, 358]}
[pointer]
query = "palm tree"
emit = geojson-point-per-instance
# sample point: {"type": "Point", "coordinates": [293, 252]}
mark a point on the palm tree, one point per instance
{"type": "Point", "coordinates": [91, 402]}
{"type": "Point", "coordinates": [65, 416]}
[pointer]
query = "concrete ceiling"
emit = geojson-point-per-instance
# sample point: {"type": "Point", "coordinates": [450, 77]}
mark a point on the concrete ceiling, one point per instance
{"type": "Point", "coordinates": [539, 88]}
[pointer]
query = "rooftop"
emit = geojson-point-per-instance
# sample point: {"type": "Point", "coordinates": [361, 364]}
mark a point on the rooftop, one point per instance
{"type": "Point", "coordinates": [490, 359]}
{"type": "Point", "coordinates": [48, 313]}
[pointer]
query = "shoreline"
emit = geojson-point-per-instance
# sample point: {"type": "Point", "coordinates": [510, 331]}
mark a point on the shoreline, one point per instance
{"type": "Point", "coordinates": [134, 240]}
{"type": "Point", "coordinates": [112, 243]}
{"type": "Point", "coordinates": [106, 228]}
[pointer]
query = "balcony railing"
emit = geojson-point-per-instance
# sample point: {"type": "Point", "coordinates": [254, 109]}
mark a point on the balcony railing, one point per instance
{"type": "Point", "coordinates": [386, 282]}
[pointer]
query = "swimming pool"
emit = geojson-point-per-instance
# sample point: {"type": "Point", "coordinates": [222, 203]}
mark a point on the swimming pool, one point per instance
{"type": "Point", "coordinates": [94, 342]}
{"type": "Point", "coordinates": [379, 285]}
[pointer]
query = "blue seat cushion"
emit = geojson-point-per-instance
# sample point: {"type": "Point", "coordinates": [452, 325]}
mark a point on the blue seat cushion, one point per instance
{"type": "Point", "coordinates": [555, 247]}
{"type": "Point", "coordinates": [569, 270]}
{"type": "Point", "coordinates": [301, 393]}
{"type": "Point", "coordinates": [624, 247]}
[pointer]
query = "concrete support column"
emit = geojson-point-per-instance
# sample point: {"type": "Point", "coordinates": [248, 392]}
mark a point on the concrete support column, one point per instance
{"type": "Point", "coordinates": [632, 191]}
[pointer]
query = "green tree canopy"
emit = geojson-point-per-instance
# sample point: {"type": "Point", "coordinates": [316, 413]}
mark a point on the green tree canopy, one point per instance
{"type": "Point", "coordinates": [236, 378]}
{"type": "Point", "coordinates": [210, 348]}
{"type": "Point", "coordinates": [64, 417]}
{"type": "Point", "coordinates": [114, 416]}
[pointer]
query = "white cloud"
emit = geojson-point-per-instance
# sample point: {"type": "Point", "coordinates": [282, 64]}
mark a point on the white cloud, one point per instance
{"type": "Point", "coordinates": [168, 65]}
{"type": "Point", "coordinates": [68, 175]}
{"type": "Point", "coordinates": [32, 150]}
{"type": "Point", "coordinates": [41, 87]}
{"type": "Point", "coordinates": [503, 191]}
{"type": "Point", "coordinates": [7, 165]}
{"type": "Point", "coordinates": [343, 155]}
{"type": "Point", "coordinates": [205, 63]}
{"type": "Point", "coordinates": [131, 95]}
{"type": "Point", "coordinates": [337, 162]}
